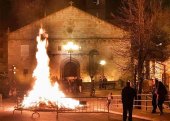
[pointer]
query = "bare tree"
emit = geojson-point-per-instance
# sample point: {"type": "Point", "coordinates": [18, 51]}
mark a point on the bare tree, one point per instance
{"type": "Point", "coordinates": [121, 51]}
{"type": "Point", "coordinates": [148, 41]}
{"type": "Point", "coordinates": [141, 17]}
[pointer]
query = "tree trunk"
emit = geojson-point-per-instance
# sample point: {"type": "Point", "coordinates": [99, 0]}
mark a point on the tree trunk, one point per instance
{"type": "Point", "coordinates": [140, 75]}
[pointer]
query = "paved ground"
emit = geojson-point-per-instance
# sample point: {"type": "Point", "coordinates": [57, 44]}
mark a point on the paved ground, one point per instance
{"type": "Point", "coordinates": [45, 116]}
{"type": "Point", "coordinates": [146, 115]}
{"type": "Point", "coordinates": [6, 114]}
{"type": "Point", "coordinates": [112, 116]}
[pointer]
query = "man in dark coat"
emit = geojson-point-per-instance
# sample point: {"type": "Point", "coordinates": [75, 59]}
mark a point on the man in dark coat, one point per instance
{"type": "Point", "coordinates": [154, 95]}
{"type": "Point", "coordinates": [128, 95]}
{"type": "Point", "coordinates": [162, 92]}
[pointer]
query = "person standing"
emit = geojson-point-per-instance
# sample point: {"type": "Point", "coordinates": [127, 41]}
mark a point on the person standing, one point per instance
{"type": "Point", "coordinates": [162, 92]}
{"type": "Point", "coordinates": [104, 82]}
{"type": "Point", "coordinates": [100, 82]}
{"type": "Point", "coordinates": [76, 85]}
{"type": "Point", "coordinates": [92, 92]}
{"type": "Point", "coordinates": [128, 94]}
{"type": "Point", "coordinates": [109, 99]}
{"type": "Point", "coordinates": [154, 95]}
{"type": "Point", "coordinates": [80, 81]}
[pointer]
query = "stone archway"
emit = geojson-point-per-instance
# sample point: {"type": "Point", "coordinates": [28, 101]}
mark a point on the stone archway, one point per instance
{"type": "Point", "coordinates": [70, 69]}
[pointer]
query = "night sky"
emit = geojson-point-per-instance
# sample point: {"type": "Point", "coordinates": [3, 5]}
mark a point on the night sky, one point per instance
{"type": "Point", "coordinates": [9, 16]}
{"type": "Point", "coordinates": [5, 8]}
{"type": "Point", "coordinates": [10, 10]}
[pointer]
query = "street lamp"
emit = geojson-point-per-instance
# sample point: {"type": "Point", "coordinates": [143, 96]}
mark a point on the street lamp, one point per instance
{"type": "Point", "coordinates": [102, 63]}
{"type": "Point", "coordinates": [70, 47]}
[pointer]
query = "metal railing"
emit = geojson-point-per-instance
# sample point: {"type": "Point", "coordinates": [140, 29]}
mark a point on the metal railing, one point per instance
{"type": "Point", "coordinates": [145, 102]}
{"type": "Point", "coordinates": [86, 105]}
{"type": "Point", "coordinates": [94, 105]}
{"type": "Point", "coordinates": [90, 104]}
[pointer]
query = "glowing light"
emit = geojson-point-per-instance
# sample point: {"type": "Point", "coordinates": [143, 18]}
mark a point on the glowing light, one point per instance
{"type": "Point", "coordinates": [102, 62]}
{"type": "Point", "coordinates": [70, 46]}
{"type": "Point", "coordinates": [43, 91]}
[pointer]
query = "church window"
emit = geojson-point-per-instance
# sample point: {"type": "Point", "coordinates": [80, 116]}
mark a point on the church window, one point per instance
{"type": "Point", "coordinates": [96, 2]}
{"type": "Point", "coordinates": [93, 65]}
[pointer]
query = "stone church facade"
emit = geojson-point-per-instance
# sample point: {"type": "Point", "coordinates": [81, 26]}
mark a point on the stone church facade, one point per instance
{"type": "Point", "coordinates": [98, 40]}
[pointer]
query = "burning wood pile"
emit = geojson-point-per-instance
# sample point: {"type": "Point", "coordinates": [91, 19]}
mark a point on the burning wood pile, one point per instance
{"type": "Point", "coordinates": [44, 95]}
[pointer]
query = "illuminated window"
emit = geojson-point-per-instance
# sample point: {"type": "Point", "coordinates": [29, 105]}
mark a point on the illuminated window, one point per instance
{"type": "Point", "coordinates": [96, 2]}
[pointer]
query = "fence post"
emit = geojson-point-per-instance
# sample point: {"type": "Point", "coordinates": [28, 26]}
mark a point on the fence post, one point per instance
{"type": "Point", "coordinates": [1, 100]}
{"type": "Point", "coordinates": [146, 103]}
{"type": "Point", "coordinates": [117, 101]}
{"type": "Point", "coordinates": [168, 101]}
{"type": "Point", "coordinates": [108, 114]}
{"type": "Point", "coordinates": [57, 112]}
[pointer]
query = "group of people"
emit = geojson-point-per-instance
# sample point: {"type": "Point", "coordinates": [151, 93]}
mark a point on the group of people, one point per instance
{"type": "Point", "coordinates": [102, 82]}
{"type": "Point", "coordinates": [128, 95]}
{"type": "Point", "coordinates": [73, 85]}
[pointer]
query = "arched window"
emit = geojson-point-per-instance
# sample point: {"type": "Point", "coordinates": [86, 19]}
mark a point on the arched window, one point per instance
{"type": "Point", "coordinates": [93, 65]}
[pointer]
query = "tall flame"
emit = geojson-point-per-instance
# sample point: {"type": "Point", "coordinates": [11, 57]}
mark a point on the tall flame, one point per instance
{"type": "Point", "coordinates": [43, 90]}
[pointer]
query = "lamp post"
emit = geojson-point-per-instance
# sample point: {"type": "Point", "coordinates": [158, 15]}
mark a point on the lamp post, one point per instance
{"type": "Point", "coordinates": [102, 63]}
{"type": "Point", "coordinates": [70, 47]}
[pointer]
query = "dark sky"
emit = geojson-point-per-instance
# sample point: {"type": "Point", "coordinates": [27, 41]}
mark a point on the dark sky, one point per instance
{"type": "Point", "coordinates": [9, 16]}
{"type": "Point", "coordinates": [5, 8]}
{"type": "Point", "coordinates": [17, 13]}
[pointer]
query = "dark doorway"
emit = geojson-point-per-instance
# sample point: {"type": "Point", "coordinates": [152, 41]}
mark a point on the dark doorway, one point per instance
{"type": "Point", "coordinates": [71, 69]}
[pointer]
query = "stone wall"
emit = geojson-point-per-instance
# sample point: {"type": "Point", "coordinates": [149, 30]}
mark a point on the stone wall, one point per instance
{"type": "Point", "coordinates": [89, 32]}
{"type": "Point", "coordinates": [3, 54]}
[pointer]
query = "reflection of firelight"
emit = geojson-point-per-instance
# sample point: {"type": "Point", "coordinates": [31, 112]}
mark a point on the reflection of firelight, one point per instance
{"type": "Point", "coordinates": [43, 93]}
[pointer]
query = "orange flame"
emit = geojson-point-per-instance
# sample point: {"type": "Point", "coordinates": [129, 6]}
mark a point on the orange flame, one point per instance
{"type": "Point", "coordinates": [43, 91]}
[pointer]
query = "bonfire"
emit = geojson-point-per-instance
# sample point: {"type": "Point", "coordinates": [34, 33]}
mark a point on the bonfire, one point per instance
{"type": "Point", "coordinates": [44, 94]}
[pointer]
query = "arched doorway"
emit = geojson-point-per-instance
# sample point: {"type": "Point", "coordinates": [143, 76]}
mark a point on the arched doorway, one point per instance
{"type": "Point", "coordinates": [70, 69]}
